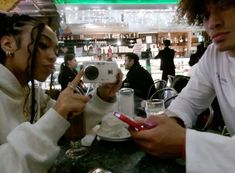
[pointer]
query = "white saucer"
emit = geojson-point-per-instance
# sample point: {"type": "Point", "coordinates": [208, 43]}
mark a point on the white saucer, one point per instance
{"type": "Point", "coordinates": [113, 129]}
{"type": "Point", "coordinates": [105, 137]}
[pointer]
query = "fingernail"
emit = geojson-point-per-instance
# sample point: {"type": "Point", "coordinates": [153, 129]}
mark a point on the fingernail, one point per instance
{"type": "Point", "coordinates": [150, 124]}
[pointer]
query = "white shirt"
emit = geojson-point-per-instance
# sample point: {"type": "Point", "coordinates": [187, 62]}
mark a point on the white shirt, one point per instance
{"type": "Point", "coordinates": [32, 148]}
{"type": "Point", "coordinates": [213, 76]}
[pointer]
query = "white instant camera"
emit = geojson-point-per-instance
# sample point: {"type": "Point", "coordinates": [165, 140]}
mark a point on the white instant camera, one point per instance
{"type": "Point", "coordinates": [100, 71]}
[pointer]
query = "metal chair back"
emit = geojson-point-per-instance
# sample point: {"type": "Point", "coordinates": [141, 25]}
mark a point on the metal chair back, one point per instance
{"type": "Point", "coordinates": [158, 84]}
{"type": "Point", "coordinates": [167, 94]}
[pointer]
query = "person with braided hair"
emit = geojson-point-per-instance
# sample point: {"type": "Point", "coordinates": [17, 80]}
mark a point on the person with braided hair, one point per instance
{"type": "Point", "coordinates": [28, 139]}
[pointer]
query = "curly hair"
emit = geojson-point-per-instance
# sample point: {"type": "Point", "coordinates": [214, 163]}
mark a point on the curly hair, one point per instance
{"type": "Point", "coordinates": [196, 10]}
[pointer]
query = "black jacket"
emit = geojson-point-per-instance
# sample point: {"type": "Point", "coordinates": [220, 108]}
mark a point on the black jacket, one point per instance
{"type": "Point", "coordinates": [167, 58]}
{"type": "Point", "coordinates": [140, 80]}
{"type": "Point", "coordinates": [66, 76]}
{"type": "Point", "coordinates": [194, 58]}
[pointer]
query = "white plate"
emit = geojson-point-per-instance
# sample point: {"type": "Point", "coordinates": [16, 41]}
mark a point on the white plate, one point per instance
{"type": "Point", "coordinates": [113, 139]}
{"type": "Point", "coordinates": [112, 129]}
{"type": "Point", "coordinates": [112, 134]}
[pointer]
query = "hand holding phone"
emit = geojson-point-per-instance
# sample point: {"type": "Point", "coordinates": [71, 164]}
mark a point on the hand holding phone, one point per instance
{"type": "Point", "coordinates": [132, 123]}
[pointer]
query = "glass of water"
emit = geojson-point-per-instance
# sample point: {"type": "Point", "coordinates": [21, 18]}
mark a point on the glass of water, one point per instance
{"type": "Point", "coordinates": [154, 107]}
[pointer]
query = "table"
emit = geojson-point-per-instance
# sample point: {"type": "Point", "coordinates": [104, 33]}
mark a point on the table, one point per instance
{"type": "Point", "coordinates": [117, 157]}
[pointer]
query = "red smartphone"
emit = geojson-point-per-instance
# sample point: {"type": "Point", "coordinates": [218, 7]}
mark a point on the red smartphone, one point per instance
{"type": "Point", "coordinates": [129, 121]}
{"type": "Point", "coordinates": [132, 123]}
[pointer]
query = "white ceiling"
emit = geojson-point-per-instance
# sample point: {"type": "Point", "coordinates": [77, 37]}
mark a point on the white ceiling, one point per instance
{"type": "Point", "coordinates": [47, 7]}
{"type": "Point", "coordinates": [105, 18]}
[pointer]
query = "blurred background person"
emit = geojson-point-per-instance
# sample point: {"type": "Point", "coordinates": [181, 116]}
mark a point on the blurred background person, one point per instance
{"type": "Point", "coordinates": [68, 71]}
{"type": "Point", "coordinates": [194, 58]}
{"type": "Point", "coordinates": [167, 60]}
{"type": "Point", "coordinates": [137, 78]}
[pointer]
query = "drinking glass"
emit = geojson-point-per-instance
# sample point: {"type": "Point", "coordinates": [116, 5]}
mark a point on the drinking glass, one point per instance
{"type": "Point", "coordinates": [154, 107]}
{"type": "Point", "coordinates": [126, 101]}
{"type": "Point", "coordinates": [75, 133]}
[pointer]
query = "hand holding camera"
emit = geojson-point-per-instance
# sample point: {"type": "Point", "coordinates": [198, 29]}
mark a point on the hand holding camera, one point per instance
{"type": "Point", "coordinates": [100, 71]}
{"type": "Point", "coordinates": [107, 91]}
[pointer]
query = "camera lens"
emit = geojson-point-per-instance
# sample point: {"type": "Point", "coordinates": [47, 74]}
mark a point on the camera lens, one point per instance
{"type": "Point", "coordinates": [91, 72]}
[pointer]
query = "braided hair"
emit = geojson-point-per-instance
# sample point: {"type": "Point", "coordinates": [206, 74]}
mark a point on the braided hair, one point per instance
{"type": "Point", "coordinates": [12, 25]}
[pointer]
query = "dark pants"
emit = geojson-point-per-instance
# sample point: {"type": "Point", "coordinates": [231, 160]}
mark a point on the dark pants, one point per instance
{"type": "Point", "coordinates": [165, 74]}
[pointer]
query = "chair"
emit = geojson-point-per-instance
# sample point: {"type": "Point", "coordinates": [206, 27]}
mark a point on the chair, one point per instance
{"type": "Point", "coordinates": [178, 82]}
{"type": "Point", "coordinates": [168, 94]}
{"type": "Point", "coordinates": [158, 84]}
{"type": "Point", "coordinates": [168, 101]}
{"type": "Point", "coordinates": [204, 120]}
{"type": "Point", "coordinates": [209, 119]}
{"type": "Point", "coordinates": [170, 79]}
{"type": "Point", "coordinates": [164, 93]}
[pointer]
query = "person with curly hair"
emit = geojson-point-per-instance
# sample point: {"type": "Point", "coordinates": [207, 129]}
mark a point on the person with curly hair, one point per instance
{"type": "Point", "coordinates": [214, 75]}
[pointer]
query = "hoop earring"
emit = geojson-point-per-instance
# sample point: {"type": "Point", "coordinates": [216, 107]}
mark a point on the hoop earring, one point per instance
{"type": "Point", "coordinates": [9, 54]}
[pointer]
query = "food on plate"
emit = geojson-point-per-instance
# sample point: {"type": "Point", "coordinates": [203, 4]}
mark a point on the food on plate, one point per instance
{"type": "Point", "coordinates": [113, 128]}
{"type": "Point", "coordinates": [116, 131]}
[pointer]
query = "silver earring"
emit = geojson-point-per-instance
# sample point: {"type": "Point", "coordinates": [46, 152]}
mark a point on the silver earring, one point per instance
{"type": "Point", "coordinates": [9, 54]}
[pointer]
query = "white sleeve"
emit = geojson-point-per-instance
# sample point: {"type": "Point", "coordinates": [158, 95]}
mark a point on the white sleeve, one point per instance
{"type": "Point", "coordinates": [196, 96]}
{"type": "Point", "coordinates": [95, 109]}
{"type": "Point", "coordinates": [209, 153]}
{"type": "Point", "coordinates": [32, 148]}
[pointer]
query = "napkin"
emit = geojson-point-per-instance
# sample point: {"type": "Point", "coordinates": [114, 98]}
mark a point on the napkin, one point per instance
{"type": "Point", "coordinates": [90, 136]}
{"type": "Point", "coordinates": [112, 127]}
